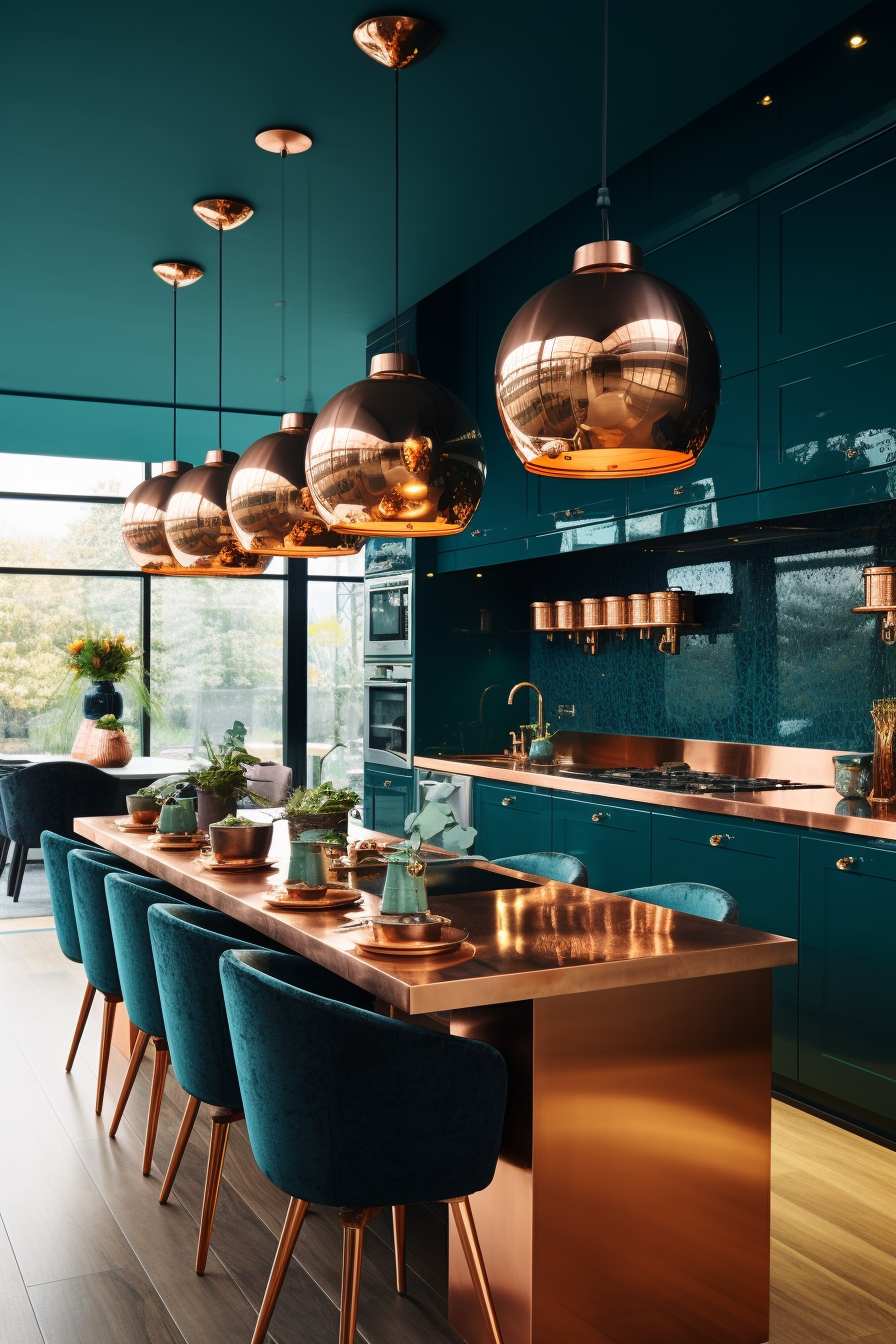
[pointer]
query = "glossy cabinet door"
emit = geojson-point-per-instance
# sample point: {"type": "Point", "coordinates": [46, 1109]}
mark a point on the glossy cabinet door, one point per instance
{"type": "Point", "coordinates": [847, 983]}
{"type": "Point", "coordinates": [388, 798]}
{"type": "Point", "coordinates": [553, 500]}
{"type": "Point", "coordinates": [510, 820]}
{"type": "Point", "coordinates": [830, 412]}
{"type": "Point", "coordinates": [759, 867]}
{"type": "Point", "coordinates": [613, 842]}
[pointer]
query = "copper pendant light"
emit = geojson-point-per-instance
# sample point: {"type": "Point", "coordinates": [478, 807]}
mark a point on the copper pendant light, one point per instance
{"type": "Point", "coordinates": [269, 503]}
{"type": "Point", "coordinates": [396, 454]}
{"type": "Point", "coordinates": [608, 371]}
{"type": "Point", "coordinates": [143, 515]}
{"type": "Point", "coordinates": [197, 527]}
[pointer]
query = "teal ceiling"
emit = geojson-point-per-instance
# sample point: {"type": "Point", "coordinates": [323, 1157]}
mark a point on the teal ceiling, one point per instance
{"type": "Point", "coordinates": [117, 118]}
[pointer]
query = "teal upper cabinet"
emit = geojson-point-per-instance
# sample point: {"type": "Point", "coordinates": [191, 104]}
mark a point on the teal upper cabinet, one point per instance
{"type": "Point", "coordinates": [847, 989]}
{"type": "Point", "coordinates": [829, 412]}
{"type": "Point", "coordinates": [553, 500]}
{"type": "Point", "coordinates": [827, 262]}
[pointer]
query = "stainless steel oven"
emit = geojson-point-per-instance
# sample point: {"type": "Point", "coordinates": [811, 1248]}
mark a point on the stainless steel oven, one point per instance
{"type": "Point", "coordinates": [388, 714]}
{"type": "Point", "coordinates": [388, 617]}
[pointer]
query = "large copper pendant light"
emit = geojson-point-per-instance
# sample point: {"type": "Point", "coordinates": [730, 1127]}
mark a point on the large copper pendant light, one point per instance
{"type": "Point", "coordinates": [197, 526]}
{"type": "Point", "coordinates": [396, 454]}
{"type": "Point", "coordinates": [268, 500]}
{"type": "Point", "coordinates": [608, 371]}
{"type": "Point", "coordinates": [143, 515]}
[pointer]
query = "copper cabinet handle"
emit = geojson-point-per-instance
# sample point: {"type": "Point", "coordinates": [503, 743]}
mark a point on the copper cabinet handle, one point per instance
{"type": "Point", "coordinates": [506, 802]}
{"type": "Point", "coordinates": [845, 864]}
{"type": "Point", "coordinates": [716, 840]}
{"type": "Point", "coordinates": [599, 816]}
{"type": "Point", "coordinates": [678, 490]}
{"type": "Point", "coordinates": [387, 783]}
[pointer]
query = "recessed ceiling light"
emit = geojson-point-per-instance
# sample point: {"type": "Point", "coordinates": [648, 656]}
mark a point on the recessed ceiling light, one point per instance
{"type": "Point", "coordinates": [765, 100]}
{"type": "Point", "coordinates": [856, 41]}
{"type": "Point", "coordinates": [429, 576]}
{"type": "Point", "coordinates": [479, 576]}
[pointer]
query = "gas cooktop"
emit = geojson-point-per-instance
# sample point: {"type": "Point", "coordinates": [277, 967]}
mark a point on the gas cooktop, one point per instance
{"type": "Point", "coordinates": [678, 777]}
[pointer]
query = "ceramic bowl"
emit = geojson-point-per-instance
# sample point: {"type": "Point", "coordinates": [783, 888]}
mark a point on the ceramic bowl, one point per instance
{"type": "Point", "coordinates": [428, 932]}
{"type": "Point", "coordinates": [144, 811]}
{"type": "Point", "coordinates": [235, 843]}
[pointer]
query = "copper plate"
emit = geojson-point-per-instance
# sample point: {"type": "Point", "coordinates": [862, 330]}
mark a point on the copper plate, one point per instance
{"type": "Point", "coordinates": [450, 940]}
{"type": "Point", "coordinates": [219, 866]}
{"type": "Point", "coordinates": [170, 843]}
{"type": "Point", "coordinates": [136, 826]}
{"type": "Point", "coordinates": [333, 900]}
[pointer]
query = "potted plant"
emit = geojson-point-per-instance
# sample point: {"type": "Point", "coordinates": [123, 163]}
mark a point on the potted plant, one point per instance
{"type": "Point", "coordinates": [320, 809]}
{"type": "Point", "coordinates": [102, 659]}
{"type": "Point", "coordinates": [541, 748]}
{"type": "Point", "coordinates": [240, 839]}
{"type": "Point", "coordinates": [108, 744]}
{"type": "Point", "coordinates": [404, 892]}
{"type": "Point", "coordinates": [220, 783]}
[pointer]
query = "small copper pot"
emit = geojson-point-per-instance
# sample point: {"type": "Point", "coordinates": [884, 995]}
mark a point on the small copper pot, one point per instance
{"type": "Point", "coordinates": [568, 615]}
{"type": "Point", "coordinates": [639, 608]}
{"type": "Point", "coordinates": [880, 585]}
{"type": "Point", "coordinates": [593, 613]}
{"type": "Point", "coordinates": [542, 615]}
{"type": "Point", "coordinates": [617, 610]}
{"type": "Point", "coordinates": [668, 607]}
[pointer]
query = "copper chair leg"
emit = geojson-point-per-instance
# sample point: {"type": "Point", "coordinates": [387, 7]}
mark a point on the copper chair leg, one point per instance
{"type": "Point", "coordinates": [134, 1063]}
{"type": "Point", "coordinates": [398, 1239]}
{"type": "Point", "coordinates": [159, 1072]}
{"type": "Point", "coordinates": [466, 1230]}
{"type": "Point", "coordinates": [221, 1122]}
{"type": "Point", "coordinates": [180, 1143]}
{"type": "Point", "coordinates": [295, 1216]}
{"type": "Point", "coordinates": [353, 1223]}
{"type": "Point", "coordinates": [86, 1004]}
{"type": "Point", "coordinates": [111, 1002]}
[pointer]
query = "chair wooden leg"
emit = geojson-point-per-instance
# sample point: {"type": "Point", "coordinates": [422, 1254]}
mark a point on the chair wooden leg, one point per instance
{"type": "Point", "coordinates": [353, 1223]}
{"type": "Point", "coordinates": [157, 1092]}
{"type": "Point", "coordinates": [111, 1002]}
{"type": "Point", "coordinates": [466, 1230]}
{"type": "Point", "coordinates": [180, 1143]}
{"type": "Point", "coordinates": [295, 1216]}
{"type": "Point", "coordinates": [134, 1063]}
{"type": "Point", "coordinates": [221, 1122]}
{"type": "Point", "coordinates": [4, 850]}
{"type": "Point", "coordinates": [86, 1004]}
{"type": "Point", "coordinates": [398, 1239]}
{"type": "Point", "coordinates": [16, 871]}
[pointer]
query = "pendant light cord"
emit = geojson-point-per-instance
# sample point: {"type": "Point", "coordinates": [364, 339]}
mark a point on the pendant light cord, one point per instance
{"type": "Point", "coordinates": [396, 212]}
{"type": "Point", "coordinates": [281, 302]}
{"type": "Point", "coordinates": [174, 383]}
{"type": "Point", "coordinates": [603, 194]}
{"type": "Point", "coordinates": [220, 327]}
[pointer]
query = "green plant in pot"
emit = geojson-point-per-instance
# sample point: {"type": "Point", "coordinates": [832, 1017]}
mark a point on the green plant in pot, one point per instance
{"type": "Point", "coordinates": [541, 747]}
{"type": "Point", "coordinates": [323, 808]}
{"type": "Point", "coordinates": [240, 840]}
{"type": "Point", "coordinates": [404, 892]}
{"type": "Point", "coordinates": [222, 782]}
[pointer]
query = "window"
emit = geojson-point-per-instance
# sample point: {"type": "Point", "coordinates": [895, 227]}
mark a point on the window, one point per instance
{"type": "Point", "coordinates": [335, 680]}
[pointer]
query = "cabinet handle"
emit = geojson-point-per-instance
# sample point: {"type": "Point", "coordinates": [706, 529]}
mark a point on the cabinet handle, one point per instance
{"type": "Point", "coordinates": [845, 864]}
{"type": "Point", "coordinates": [387, 783]}
{"type": "Point", "coordinates": [852, 452]}
{"type": "Point", "coordinates": [678, 490]}
{"type": "Point", "coordinates": [599, 816]}
{"type": "Point", "coordinates": [716, 840]}
{"type": "Point", "coordinates": [506, 802]}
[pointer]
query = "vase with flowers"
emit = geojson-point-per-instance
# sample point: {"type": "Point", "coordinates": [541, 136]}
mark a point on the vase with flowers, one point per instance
{"type": "Point", "coordinates": [102, 659]}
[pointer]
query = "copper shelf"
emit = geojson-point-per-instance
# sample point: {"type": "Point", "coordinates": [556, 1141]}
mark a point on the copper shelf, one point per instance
{"type": "Point", "coordinates": [668, 644]}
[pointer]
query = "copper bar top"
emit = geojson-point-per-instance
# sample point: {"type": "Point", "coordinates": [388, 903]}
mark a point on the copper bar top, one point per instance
{"type": "Point", "coordinates": [524, 943]}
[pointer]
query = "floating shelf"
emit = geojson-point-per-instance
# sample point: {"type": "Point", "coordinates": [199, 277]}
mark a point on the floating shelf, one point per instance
{"type": "Point", "coordinates": [668, 643]}
{"type": "Point", "coordinates": [887, 625]}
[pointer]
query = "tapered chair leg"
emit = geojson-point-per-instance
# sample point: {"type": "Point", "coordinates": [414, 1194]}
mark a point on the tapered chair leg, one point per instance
{"type": "Point", "coordinates": [110, 1003]}
{"type": "Point", "coordinates": [180, 1144]}
{"type": "Point", "coordinates": [398, 1239]}
{"type": "Point", "coordinates": [134, 1063]}
{"type": "Point", "coordinates": [353, 1223]}
{"type": "Point", "coordinates": [295, 1216]}
{"type": "Point", "coordinates": [4, 850]}
{"type": "Point", "coordinates": [157, 1092]}
{"type": "Point", "coordinates": [221, 1122]}
{"type": "Point", "coordinates": [466, 1230]}
{"type": "Point", "coordinates": [16, 871]}
{"type": "Point", "coordinates": [86, 1004]}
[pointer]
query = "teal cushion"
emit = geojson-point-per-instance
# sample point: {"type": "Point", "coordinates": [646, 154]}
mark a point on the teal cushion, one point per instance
{"type": "Point", "coordinates": [691, 898]}
{"type": "Point", "coordinates": [552, 866]}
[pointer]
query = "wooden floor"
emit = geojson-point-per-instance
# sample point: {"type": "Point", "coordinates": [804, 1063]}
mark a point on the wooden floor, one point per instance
{"type": "Point", "coordinates": [87, 1256]}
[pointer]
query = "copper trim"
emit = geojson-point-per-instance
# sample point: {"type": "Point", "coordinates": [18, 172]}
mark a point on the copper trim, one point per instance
{"type": "Point", "coordinates": [294, 422]}
{"type": "Point", "coordinates": [86, 1004]}
{"type": "Point", "coordinates": [397, 40]}
{"type": "Point", "coordinates": [178, 274]}
{"type": "Point", "coordinates": [393, 361]}
{"type": "Point", "coordinates": [223, 212]}
{"type": "Point", "coordinates": [610, 255]}
{"type": "Point", "coordinates": [137, 1052]}
{"type": "Point", "coordinates": [283, 141]}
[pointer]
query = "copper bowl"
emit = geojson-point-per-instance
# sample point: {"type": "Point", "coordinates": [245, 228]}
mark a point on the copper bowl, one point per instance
{"type": "Point", "coordinates": [142, 810]}
{"type": "Point", "coordinates": [424, 931]}
{"type": "Point", "coordinates": [240, 844]}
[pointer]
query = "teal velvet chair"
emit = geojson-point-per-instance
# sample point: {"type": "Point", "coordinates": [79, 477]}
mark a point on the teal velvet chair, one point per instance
{"type": "Point", "coordinates": [88, 870]}
{"type": "Point", "coordinates": [354, 1110]}
{"type": "Point", "coordinates": [47, 797]}
{"type": "Point", "coordinates": [187, 943]}
{"type": "Point", "coordinates": [691, 898]}
{"type": "Point", "coordinates": [551, 866]}
{"type": "Point", "coordinates": [128, 900]}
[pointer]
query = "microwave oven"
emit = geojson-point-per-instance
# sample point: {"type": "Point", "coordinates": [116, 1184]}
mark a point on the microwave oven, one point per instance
{"type": "Point", "coordinates": [388, 617]}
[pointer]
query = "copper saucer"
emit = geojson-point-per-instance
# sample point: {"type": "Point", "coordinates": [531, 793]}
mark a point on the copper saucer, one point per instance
{"type": "Point", "coordinates": [335, 899]}
{"type": "Point", "coordinates": [450, 941]}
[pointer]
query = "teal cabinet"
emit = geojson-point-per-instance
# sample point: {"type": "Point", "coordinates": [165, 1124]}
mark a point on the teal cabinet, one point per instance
{"type": "Point", "coordinates": [830, 412]}
{"type": "Point", "coordinates": [759, 867]}
{"type": "Point", "coordinates": [554, 500]}
{"type": "Point", "coordinates": [388, 799]}
{"type": "Point", "coordinates": [502, 515]}
{"type": "Point", "coordinates": [613, 842]}
{"type": "Point", "coordinates": [847, 984]}
{"type": "Point", "coordinates": [510, 820]}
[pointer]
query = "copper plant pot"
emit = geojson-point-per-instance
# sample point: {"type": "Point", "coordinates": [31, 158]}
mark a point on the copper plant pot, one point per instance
{"type": "Point", "coordinates": [618, 611]}
{"type": "Point", "coordinates": [108, 747]}
{"type": "Point", "coordinates": [542, 615]}
{"type": "Point", "coordinates": [240, 844]}
{"type": "Point", "coordinates": [593, 613]}
{"type": "Point", "coordinates": [568, 615]}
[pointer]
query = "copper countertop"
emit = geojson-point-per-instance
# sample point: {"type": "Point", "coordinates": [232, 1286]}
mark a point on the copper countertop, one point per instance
{"type": "Point", "coordinates": [524, 943]}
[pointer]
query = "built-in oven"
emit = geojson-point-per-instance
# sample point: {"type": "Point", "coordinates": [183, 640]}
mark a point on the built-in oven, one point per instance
{"type": "Point", "coordinates": [388, 714]}
{"type": "Point", "coordinates": [388, 617]}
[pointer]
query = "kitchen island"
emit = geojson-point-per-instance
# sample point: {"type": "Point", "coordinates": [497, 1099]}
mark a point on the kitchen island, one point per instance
{"type": "Point", "coordinates": [631, 1200]}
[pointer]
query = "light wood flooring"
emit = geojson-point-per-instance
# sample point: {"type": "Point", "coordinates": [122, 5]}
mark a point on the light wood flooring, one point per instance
{"type": "Point", "coordinates": [87, 1256]}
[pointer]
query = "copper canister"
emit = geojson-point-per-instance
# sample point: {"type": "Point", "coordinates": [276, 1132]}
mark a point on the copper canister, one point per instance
{"type": "Point", "coordinates": [542, 615]}
{"type": "Point", "coordinates": [568, 615]}
{"type": "Point", "coordinates": [665, 607]}
{"type": "Point", "coordinates": [593, 615]}
{"type": "Point", "coordinates": [617, 611]}
{"type": "Point", "coordinates": [880, 585]}
{"type": "Point", "coordinates": [639, 608]}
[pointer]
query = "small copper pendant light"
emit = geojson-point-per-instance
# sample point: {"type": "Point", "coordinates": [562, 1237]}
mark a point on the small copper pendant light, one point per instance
{"type": "Point", "coordinates": [396, 454]}
{"type": "Point", "coordinates": [197, 527]}
{"type": "Point", "coordinates": [608, 371]}
{"type": "Point", "coordinates": [268, 500]}
{"type": "Point", "coordinates": [143, 515]}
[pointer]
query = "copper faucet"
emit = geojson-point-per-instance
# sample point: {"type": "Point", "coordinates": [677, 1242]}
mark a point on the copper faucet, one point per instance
{"type": "Point", "coordinates": [518, 687]}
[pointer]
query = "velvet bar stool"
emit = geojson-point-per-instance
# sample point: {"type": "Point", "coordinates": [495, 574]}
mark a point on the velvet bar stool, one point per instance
{"type": "Point", "coordinates": [129, 899]}
{"type": "Point", "coordinates": [356, 1111]}
{"type": "Point", "coordinates": [187, 943]}
{"type": "Point", "coordinates": [554, 867]}
{"type": "Point", "coordinates": [690, 898]}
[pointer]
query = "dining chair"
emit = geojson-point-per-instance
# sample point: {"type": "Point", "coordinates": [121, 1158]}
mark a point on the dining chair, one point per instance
{"type": "Point", "coordinates": [690, 898]}
{"type": "Point", "coordinates": [357, 1111]}
{"type": "Point", "coordinates": [48, 797]}
{"type": "Point", "coordinates": [187, 943]}
{"type": "Point", "coordinates": [552, 866]}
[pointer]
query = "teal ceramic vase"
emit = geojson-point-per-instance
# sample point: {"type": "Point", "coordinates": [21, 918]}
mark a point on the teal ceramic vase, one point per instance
{"type": "Point", "coordinates": [404, 892]}
{"type": "Point", "coordinates": [177, 818]}
{"type": "Point", "coordinates": [307, 863]}
{"type": "Point", "coordinates": [542, 749]}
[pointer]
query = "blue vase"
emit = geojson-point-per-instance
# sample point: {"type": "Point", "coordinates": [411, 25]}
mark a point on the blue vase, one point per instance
{"type": "Point", "coordinates": [103, 699]}
{"type": "Point", "coordinates": [542, 749]}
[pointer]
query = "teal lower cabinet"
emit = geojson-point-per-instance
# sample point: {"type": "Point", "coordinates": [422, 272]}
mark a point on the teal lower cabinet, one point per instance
{"type": "Point", "coordinates": [388, 798]}
{"type": "Point", "coordinates": [510, 820]}
{"type": "Point", "coordinates": [847, 983]}
{"type": "Point", "coordinates": [758, 866]}
{"type": "Point", "coordinates": [613, 842]}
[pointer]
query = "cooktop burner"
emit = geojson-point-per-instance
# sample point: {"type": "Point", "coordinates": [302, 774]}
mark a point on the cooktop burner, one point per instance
{"type": "Point", "coordinates": [678, 777]}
